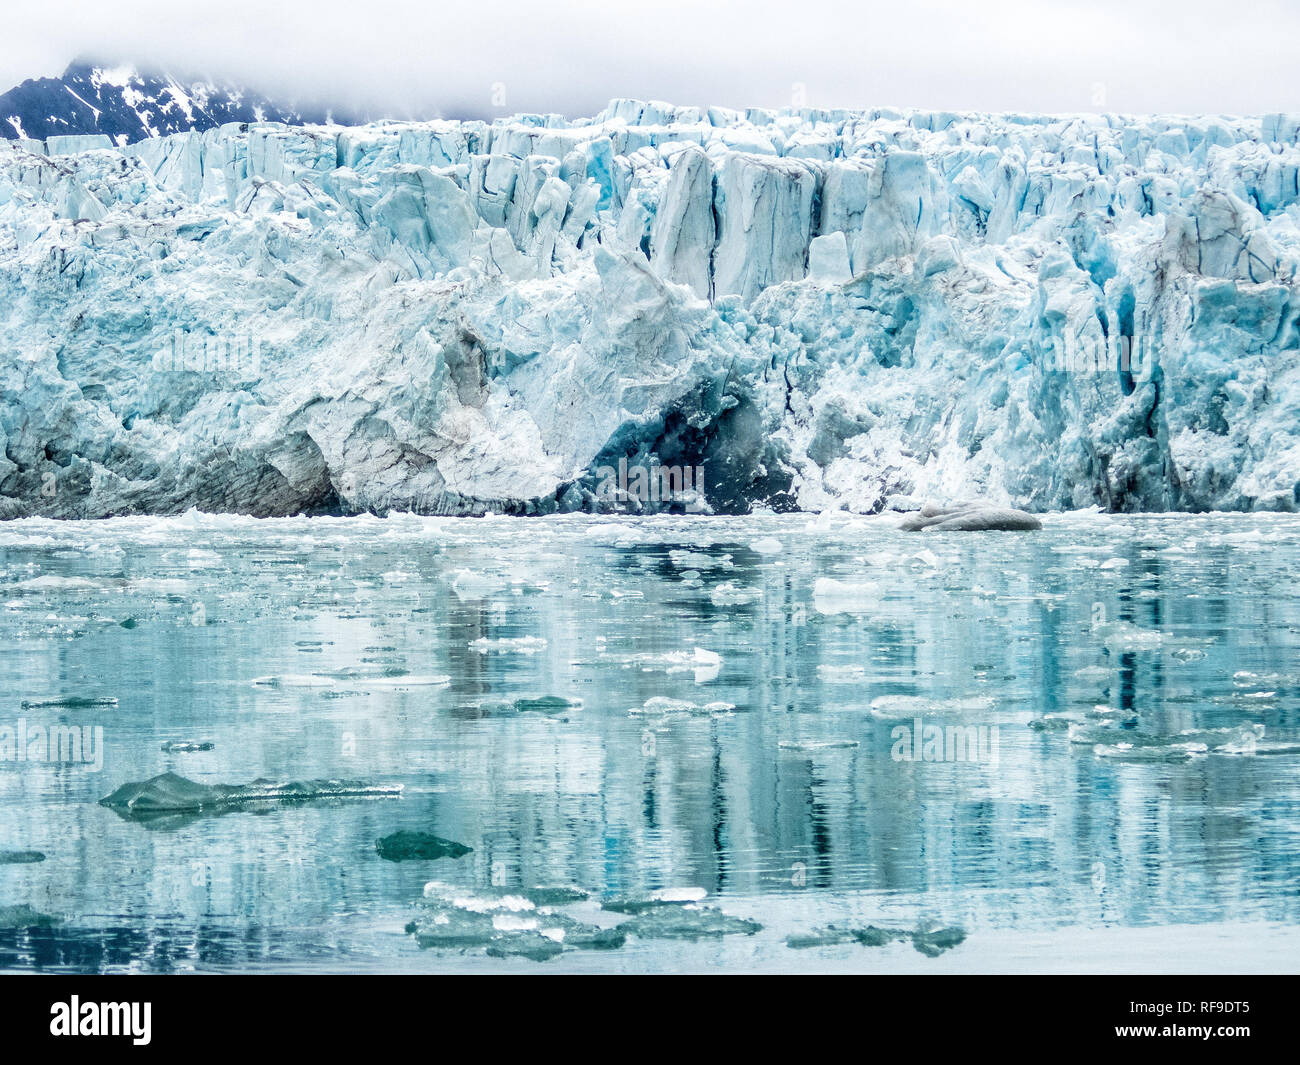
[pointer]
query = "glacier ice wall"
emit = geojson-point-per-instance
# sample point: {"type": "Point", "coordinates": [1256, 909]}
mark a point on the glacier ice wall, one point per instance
{"type": "Point", "coordinates": [819, 309]}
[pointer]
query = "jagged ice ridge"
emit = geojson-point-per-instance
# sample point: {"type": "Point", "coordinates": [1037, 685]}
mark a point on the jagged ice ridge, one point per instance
{"type": "Point", "coordinates": [819, 308]}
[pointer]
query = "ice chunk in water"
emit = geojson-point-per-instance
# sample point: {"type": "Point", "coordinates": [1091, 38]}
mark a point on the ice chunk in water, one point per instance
{"type": "Point", "coordinates": [414, 680]}
{"type": "Point", "coordinates": [729, 593]}
{"type": "Point", "coordinates": [679, 896]}
{"type": "Point", "coordinates": [933, 941]}
{"type": "Point", "coordinates": [452, 927]}
{"type": "Point", "coordinates": [470, 585]}
{"type": "Point", "coordinates": [169, 793]}
{"type": "Point", "coordinates": [1168, 752]}
{"type": "Point", "coordinates": [929, 938]}
{"type": "Point", "coordinates": [506, 645]}
{"type": "Point", "coordinates": [555, 894]}
{"type": "Point", "coordinates": [507, 925]}
{"type": "Point", "coordinates": [841, 674]}
{"type": "Point", "coordinates": [662, 706]}
{"type": "Point", "coordinates": [898, 707]}
{"type": "Point", "coordinates": [1127, 739]}
{"type": "Point", "coordinates": [840, 597]}
{"type": "Point", "coordinates": [71, 702]}
{"type": "Point", "coordinates": [21, 857]}
{"type": "Point", "coordinates": [687, 922]}
{"type": "Point", "coordinates": [1119, 636]}
{"type": "Point", "coordinates": [295, 680]}
{"type": "Point", "coordinates": [969, 517]}
{"type": "Point", "coordinates": [830, 936]}
{"type": "Point", "coordinates": [23, 916]}
{"type": "Point", "coordinates": [523, 944]}
{"type": "Point", "coordinates": [406, 845]}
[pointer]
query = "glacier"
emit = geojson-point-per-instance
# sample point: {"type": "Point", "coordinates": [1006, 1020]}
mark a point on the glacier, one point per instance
{"type": "Point", "coordinates": [857, 310]}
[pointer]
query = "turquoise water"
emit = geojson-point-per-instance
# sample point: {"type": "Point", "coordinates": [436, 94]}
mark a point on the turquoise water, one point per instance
{"type": "Point", "coordinates": [699, 705]}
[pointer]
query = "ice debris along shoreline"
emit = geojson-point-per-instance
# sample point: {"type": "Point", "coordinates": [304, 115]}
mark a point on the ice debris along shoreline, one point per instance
{"type": "Point", "coordinates": [818, 308]}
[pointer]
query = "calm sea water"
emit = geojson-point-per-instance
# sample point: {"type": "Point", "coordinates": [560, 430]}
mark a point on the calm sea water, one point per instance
{"type": "Point", "coordinates": [638, 706]}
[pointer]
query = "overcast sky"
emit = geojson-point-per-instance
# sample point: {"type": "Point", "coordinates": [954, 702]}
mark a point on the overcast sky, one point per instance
{"type": "Point", "coordinates": [487, 57]}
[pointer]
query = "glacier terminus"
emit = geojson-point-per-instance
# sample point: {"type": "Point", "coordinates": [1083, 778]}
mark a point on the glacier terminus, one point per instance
{"type": "Point", "coordinates": [818, 309]}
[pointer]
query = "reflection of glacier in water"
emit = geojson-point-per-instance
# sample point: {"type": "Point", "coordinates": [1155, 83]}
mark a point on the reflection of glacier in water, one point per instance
{"type": "Point", "coordinates": [647, 706]}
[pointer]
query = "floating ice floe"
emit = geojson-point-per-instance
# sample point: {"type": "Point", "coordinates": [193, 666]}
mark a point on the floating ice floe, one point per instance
{"type": "Point", "coordinates": [24, 916]}
{"type": "Point", "coordinates": [408, 846]}
{"type": "Point", "coordinates": [70, 702]}
{"type": "Point", "coordinates": [699, 560]}
{"type": "Point", "coordinates": [295, 680]}
{"type": "Point", "coordinates": [509, 645]}
{"type": "Point", "coordinates": [1166, 752]}
{"type": "Point", "coordinates": [663, 706]}
{"type": "Point", "coordinates": [841, 674]}
{"type": "Point", "coordinates": [21, 857]}
{"type": "Point", "coordinates": [969, 517]}
{"type": "Point", "coordinates": [731, 594]}
{"type": "Point", "coordinates": [931, 940]}
{"type": "Point", "coordinates": [687, 922]}
{"type": "Point", "coordinates": [899, 707]}
{"type": "Point", "coordinates": [468, 584]}
{"type": "Point", "coordinates": [168, 793]}
{"type": "Point", "coordinates": [705, 664]}
{"type": "Point", "coordinates": [507, 925]}
{"type": "Point", "coordinates": [843, 597]}
{"type": "Point", "coordinates": [1125, 636]}
{"type": "Point", "coordinates": [414, 680]}
{"type": "Point", "coordinates": [674, 896]}
{"type": "Point", "coordinates": [1109, 735]}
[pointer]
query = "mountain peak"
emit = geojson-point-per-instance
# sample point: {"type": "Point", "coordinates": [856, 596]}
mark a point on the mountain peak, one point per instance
{"type": "Point", "coordinates": [127, 103]}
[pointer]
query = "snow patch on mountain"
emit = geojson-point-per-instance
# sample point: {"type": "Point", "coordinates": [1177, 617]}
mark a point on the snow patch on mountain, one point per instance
{"type": "Point", "coordinates": [126, 105]}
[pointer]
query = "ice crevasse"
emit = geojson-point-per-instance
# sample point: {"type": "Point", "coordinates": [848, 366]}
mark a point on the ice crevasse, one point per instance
{"type": "Point", "coordinates": [816, 309]}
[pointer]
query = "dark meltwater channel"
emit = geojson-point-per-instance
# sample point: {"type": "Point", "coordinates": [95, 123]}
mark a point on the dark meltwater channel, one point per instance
{"type": "Point", "coordinates": [752, 740]}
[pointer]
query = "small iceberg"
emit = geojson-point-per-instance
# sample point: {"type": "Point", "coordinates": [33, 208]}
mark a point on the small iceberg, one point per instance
{"type": "Point", "coordinates": [505, 645]}
{"type": "Point", "coordinates": [406, 846]}
{"type": "Point", "coordinates": [21, 857]}
{"type": "Point", "coordinates": [507, 925]}
{"type": "Point", "coordinates": [681, 896]}
{"type": "Point", "coordinates": [688, 922]}
{"type": "Point", "coordinates": [171, 794]}
{"type": "Point", "coordinates": [664, 706]}
{"type": "Point", "coordinates": [969, 517]}
{"type": "Point", "coordinates": [928, 938]}
{"type": "Point", "coordinates": [71, 702]}
{"type": "Point", "coordinates": [23, 916]}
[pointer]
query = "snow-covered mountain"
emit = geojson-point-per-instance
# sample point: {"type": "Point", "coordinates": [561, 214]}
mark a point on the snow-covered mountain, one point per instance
{"type": "Point", "coordinates": [127, 105]}
{"type": "Point", "coordinates": [815, 308]}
